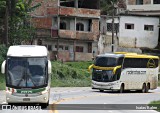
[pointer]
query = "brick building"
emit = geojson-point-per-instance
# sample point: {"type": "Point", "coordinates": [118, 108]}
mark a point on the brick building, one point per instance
{"type": "Point", "coordinates": [69, 28]}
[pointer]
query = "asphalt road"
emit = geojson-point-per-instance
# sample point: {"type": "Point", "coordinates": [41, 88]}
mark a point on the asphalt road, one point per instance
{"type": "Point", "coordinates": [68, 97]}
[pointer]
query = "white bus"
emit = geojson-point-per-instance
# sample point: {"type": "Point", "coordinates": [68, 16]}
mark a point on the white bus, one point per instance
{"type": "Point", "coordinates": [27, 71]}
{"type": "Point", "coordinates": [125, 71]}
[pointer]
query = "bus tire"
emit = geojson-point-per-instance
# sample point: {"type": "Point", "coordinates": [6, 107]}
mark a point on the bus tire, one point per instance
{"type": "Point", "coordinates": [44, 105]}
{"type": "Point", "coordinates": [121, 88]}
{"type": "Point", "coordinates": [147, 87]}
{"type": "Point", "coordinates": [101, 90]}
{"type": "Point", "coordinates": [144, 88]}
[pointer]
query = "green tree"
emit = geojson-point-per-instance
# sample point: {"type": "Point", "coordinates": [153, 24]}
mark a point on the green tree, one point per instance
{"type": "Point", "coordinates": [15, 21]}
{"type": "Point", "coordinates": [2, 15]}
{"type": "Point", "coordinates": [106, 6]}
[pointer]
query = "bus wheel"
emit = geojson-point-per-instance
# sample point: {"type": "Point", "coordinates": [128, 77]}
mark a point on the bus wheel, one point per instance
{"type": "Point", "coordinates": [122, 88]}
{"type": "Point", "coordinates": [147, 88]}
{"type": "Point", "coordinates": [144, 88]}
{"type": "Point", "coordinates": [44, 105]}
{"type": "Point", "coordinates": [101, 90]}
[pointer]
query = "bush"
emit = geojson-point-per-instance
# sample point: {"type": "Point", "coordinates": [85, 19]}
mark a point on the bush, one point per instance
{"type": "Point", "coordinates": [2, 82]}
{"type": "Point", "coordinates": [3, 53]}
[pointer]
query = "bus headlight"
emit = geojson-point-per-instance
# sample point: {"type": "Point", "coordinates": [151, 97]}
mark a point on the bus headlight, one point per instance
{"type": "Point", "coordinates": [44, 92]}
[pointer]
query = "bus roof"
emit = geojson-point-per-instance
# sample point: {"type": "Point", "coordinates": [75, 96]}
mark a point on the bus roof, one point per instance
{"type": "Point", "coordinates": [27, 51]}
{"type": "Point", "coordinates": [111, 55]}
{"type": "Point", "coordinates": [135, 55]}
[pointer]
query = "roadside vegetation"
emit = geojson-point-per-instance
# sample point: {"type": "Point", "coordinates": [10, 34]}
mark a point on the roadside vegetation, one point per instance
{"type": "Point", "coordinates": [2, 82]}
{"type": "Point", "coordinates": [70, 74]}
{"type": "Point", "coordinates": [3, 52]}
{"type": "Point", "coordinates": [155, 104]}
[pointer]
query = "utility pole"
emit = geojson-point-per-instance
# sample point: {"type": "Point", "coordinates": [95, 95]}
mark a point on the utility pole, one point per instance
{"type": "Point", "coordinates": [113, 10]}
{"type": "Point", "coordinates": [6, 23]}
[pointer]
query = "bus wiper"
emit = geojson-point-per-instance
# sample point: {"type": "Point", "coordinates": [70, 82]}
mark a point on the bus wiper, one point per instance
{"type": "Point", "coordinates": [21, 79]}
{"type": "Point", "coordinates": [32, 80]}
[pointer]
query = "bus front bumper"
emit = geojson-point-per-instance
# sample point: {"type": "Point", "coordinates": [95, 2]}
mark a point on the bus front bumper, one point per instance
{"type": "Point", "coordinates": [105, 86]}
{"type": "Point", "coordinates": [10, 98]}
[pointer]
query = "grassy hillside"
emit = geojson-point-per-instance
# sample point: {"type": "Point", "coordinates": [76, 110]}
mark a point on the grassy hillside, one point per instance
{"type": "Point", "coordinates": [72, 74]}
{"type": "Point", "coordinates": [155, 104]}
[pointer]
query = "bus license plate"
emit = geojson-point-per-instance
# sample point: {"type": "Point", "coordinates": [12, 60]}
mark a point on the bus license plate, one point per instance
{"type": "Point", "coordinates": [26, 99]}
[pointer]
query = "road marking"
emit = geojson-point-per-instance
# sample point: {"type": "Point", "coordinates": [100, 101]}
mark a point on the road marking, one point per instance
{"type": "Point", "coordinates": [53, 110]}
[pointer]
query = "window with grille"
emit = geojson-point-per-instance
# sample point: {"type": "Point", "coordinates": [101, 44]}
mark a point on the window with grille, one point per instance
{"type": "Point", "coordinates": [116, 27]}
{"type": "Point", "coordinates": [79, 48]}
{"type": "Point", "coordinates": [148, 27]}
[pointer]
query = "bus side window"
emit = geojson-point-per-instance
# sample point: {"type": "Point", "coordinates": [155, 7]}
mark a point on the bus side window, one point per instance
{"type": "Point", "coordinates": [120, 61]}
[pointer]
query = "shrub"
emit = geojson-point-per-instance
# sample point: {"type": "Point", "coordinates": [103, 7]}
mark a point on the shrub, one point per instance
{"type": "Point", "coordinates": [3, 53]}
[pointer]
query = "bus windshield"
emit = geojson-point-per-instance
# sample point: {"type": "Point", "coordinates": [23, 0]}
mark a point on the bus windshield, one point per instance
{"type": "Point", "coordinates": [107, 75]}
{"type": "Point", "coordinates": [105, 62]}
{"type": "Point", "coordinates": [26, 72]}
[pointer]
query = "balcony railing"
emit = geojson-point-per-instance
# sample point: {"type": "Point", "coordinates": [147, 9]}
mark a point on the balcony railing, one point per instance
{"type": "Point", "coordinates": [79, 35]}
{"type": "Point", "coordinates": [79, 12]}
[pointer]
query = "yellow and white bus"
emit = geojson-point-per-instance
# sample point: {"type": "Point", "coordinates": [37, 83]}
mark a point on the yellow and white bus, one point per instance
{"type": "Point", "coordinates": [27, 71]}
{"type": "Point", "coordinates": [125, 71]}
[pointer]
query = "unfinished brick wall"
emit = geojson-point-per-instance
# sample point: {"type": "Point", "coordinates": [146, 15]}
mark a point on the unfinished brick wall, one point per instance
{"type": "Point", "coordinates": [44, 23]}
{"type": "Point", "coordinates": [84, 35]}
{"type": "Point", "coordinates": [131, 2]}
{"type": "Point", "coordinates": [64, 56]}
{"type": "Point", "coordinates": [83, 56]}
{"type": "Point", "coordinates": [67, 34]}
{"type": "Point", "coordinates": [88, 12]}
{"type": "Point", "coordinates": [146, 1]}
{"type": "Point", "coordinates": [45, 4]}
{"type": "Point", "coordinates": [95, 27]}
{"type": "Point", "coordinates": [67, 11]}
{"type": "Point", "coordinates": [43, 32]}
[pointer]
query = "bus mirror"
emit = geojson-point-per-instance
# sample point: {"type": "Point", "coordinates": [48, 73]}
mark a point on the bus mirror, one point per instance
{"type": "Point", "coordinates": [3, 67]}
{"type": "Point", "coordinates": [49, 67]}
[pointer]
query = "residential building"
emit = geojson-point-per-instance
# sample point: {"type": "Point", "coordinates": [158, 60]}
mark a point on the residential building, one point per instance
{"type": "Point", "coordinates": [138, 31]}
{"type": "Point", "coordinates": [136, 27]}
{"type": "Point", "coordinates": [69, 28]}
{"type": "Point", "coordinates": [143, 7]}
{"type": "Point", "coordinates": [131, 33]}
